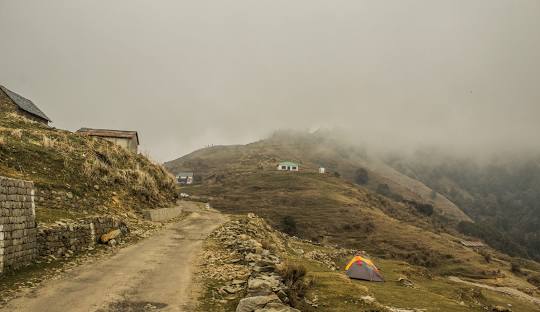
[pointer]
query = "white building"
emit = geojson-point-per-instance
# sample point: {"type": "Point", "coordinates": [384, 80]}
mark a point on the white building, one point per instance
{"type": "Point", "coordinates": [322, 170]}
{"type": "Point", "coordinates": [288, 166]}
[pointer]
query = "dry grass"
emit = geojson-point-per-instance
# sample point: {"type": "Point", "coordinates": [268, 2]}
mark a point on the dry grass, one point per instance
{"type": "Point", "coordinates": [16, 133]}
{"type": "Point", "coordinates": [63, 161]}
{"type": "Point", "coordinates": [2, 140]}
{"type": "Point", "coordinates": [47, 142]}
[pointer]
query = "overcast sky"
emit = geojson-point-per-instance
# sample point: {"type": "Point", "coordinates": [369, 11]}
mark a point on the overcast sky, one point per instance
{"type": "Point", "coordinates": [190, 73]}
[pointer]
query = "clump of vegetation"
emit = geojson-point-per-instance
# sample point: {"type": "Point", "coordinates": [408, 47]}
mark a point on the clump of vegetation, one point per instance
{"type": "Point", "coordinates": [486, 254]}
{"type": "Point", "coordinates": [535, 280]}
{"type": "Point", "coordinates": [515, 267]}
{"type": "Point", "coordinates": [289, 225]}
{"type": "Point", "coordinates": [361, 176]}
{"type": "Point", "coordinates": [294, 277]}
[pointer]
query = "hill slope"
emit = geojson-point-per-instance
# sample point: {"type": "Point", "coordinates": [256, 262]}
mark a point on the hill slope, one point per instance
{"type": "Point", "coordinates": [312, 151]}
{"type": "Point", "coordinates": [77, 175]}
{"type": "Point", "coordinates": [502, 195]}
{"type": "Point", "coordinates": [330, 210]}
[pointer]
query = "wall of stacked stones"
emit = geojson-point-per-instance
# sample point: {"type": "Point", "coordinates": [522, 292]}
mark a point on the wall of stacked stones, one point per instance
{"type": "Point", "coordinates": [17, 224]}
{"type": "Point", "coordinates": [66, 237]}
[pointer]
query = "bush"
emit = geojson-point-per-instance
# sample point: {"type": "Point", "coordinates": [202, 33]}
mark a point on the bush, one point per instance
{"type": "Point", "coordinates": [535, 280]}
{"type": "Point", "coordinates": [294, 277]}
{"type": "Point", "coordinates": [289, 225]}
{"type": "Point", "coordinates": [515, 268]}
{"type": "Point", "coordinates": [486, 255]}
{"type": "Point", "coordinates": [361, 176]}
{"type": "Point", "coordinates": [425, 209]}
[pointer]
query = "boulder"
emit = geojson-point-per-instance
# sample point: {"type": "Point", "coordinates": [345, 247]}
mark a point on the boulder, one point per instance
{"type": "Point", "coordinates": [105, 238]}
{"type": "Point", "coordinates": [277, 307]}
{"type": "Point", "coordinates": [251, 304]}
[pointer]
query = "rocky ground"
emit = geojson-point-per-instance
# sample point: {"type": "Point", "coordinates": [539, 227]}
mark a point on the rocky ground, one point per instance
{"type": "Point", "coordinates": [241, 269]}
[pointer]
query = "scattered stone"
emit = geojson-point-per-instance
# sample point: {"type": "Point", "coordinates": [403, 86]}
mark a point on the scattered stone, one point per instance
{"type": "Point", "coordinates": [251, 304]}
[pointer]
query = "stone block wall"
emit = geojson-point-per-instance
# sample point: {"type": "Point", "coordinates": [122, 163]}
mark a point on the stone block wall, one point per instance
{"type": "Point", "coordinates": [162, 214]}
{"type": "Point", "coordinates": [17, 224]}
{"type": "Point", "coordinates": [61, 238]}
{"type": "Point", "coordinates": [71, 236]}
{"type": "Point", "coordinates": [103, 225]}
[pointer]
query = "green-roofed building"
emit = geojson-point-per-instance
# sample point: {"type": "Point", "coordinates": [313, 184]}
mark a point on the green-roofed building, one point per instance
{"type": "Point", "coordinates": [288, 166]}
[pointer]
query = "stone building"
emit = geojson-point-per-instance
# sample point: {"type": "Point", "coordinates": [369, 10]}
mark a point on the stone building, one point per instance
{"type": "Point", "coordinates": [126, 139]}
{"type": "Point", "coordinates": [13, 102]}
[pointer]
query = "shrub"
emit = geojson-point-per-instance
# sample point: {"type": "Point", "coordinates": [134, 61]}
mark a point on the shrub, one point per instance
{"type": "Point", "coordinates": [535, 280]}
{"type": "Point", "coordinates": [425, 209]}
{"type": "Point", "coordinates": [294, 277]}
{"type": "Point", "coordinates": [486, 255]}
{"type": "Point", "coordinates": [384, 189]}
{"type": "Point", "coordinates": [515, 268]}
{"type": "Point", "coordinates": [289, 225]}
{"type": "Point", "coordinates": [361, 176]}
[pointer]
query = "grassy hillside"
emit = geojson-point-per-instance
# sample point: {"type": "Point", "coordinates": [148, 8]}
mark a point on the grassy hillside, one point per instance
{"type": "Point", "coordinates": [76, 175]}
{"type": "Point", "coordinates": [327, 288]}
{"type": "Point", "coordinates": [313, 151]}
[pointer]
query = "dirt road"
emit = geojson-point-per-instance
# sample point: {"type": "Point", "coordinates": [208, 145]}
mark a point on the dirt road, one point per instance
{"type": "Point", "coordinates": [505, 290]}
{"type": "Point", "coordinates": [153, 275]}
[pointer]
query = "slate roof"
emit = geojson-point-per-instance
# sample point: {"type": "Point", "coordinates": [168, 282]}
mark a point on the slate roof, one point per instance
{"type": "Point", "coordinates": [108, 133]}
{"type": "Point", "coordinates": [24, 103]}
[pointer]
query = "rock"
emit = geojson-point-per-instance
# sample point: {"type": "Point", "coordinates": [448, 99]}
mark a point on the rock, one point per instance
{"type": "Point", "coordinates": [259, 286]}
{"type": "Point", "coordinates": [251, 304]}
{"type": "Point", "coordinates": [231, 290]}
{"type": "Point", "coordinates": [500, 309]}
{"type": "Point", "coordinates": [405, 282]}
{"type": "Point", "coordinates": [69, 195]}
{"type": "Point", "coordinates": [112, 242]}
{"type": "Point", "coordinates": [282, 296]}
{"type": "Point", "coordinates": [277, 307]}
{"type": "Point", "coordinates": [111, 235]}
{"type": "Point", "coordinates": [96, 187]}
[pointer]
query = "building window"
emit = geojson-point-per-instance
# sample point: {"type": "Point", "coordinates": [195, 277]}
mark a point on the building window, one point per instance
{"type": "Point", "coordinates": [283, 167]}
{"type": "Point", "coordinates": [293, 168]}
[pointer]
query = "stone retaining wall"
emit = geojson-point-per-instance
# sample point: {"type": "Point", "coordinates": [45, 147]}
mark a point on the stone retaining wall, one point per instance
{"type": "Point", "coordinates": [17, 224]}
{"type": "Point", "coordinates": [67, 237]}
{"type": "Point", "coordinates": [163, 214]}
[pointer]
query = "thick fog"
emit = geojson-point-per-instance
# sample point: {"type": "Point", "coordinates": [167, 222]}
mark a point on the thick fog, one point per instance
{"type": "Point", "coordinates": [185, 74]}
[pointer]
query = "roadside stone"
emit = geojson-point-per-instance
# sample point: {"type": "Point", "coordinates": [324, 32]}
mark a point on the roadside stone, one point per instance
{"type": "Point", "coordinates": [110, 235]}
{"type": "Point", "coordinates": [277, 307]}
{"type": "Point", "coordinates": [251, 304]}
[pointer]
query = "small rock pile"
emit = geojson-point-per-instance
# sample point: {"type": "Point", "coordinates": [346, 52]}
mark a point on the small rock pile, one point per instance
{"type": "Point", "coordinates": [251, 266]}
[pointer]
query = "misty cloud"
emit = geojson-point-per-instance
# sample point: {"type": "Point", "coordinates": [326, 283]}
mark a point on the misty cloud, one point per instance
{"type": "Point", "coordinates": [190, 73]}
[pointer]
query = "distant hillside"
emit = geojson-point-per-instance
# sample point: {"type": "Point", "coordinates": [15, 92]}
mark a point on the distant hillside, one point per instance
{"type": "Point", "coordinates": [75, 174]}
{"type": "Point", "coordinates": [312, 151]}
{"type": "Point", "coordinates": [502, 195]}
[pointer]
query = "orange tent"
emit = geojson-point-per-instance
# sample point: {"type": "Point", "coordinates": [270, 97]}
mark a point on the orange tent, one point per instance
{"type": "Point", "coordinates": [364, 269]}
